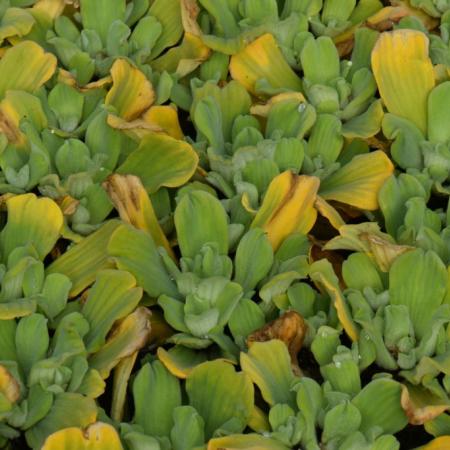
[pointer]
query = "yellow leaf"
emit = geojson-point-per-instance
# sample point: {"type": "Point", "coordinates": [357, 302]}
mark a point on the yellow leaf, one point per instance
{"type": "Point", "coordinates": [31, 220]}
{"type": "Point", "coordinates": [16, 106]}
{"type": "Point", "coordinates": [53, 8]}
{"type": "Point", "coordinates": [262, 59]}
{"type": "Point", "coordinates": [440, 443]}
{"type": "Point", "coordinates": [25, 67]}
{"type": "Point", "coordinates": [134, 206]}
{"type": "Point", "coordinates": [421, 405]}
{"type": "Point", "coordinates": [16, 22]}
{"type": "Point", "coordinates": [358, 182]}
{"type": "Point", "coordinates": [99, 436]}
{"type": "Point", "coordinates": [259, 421]}
{"type": "Point", "coordinates": [135, 129]}
{"type": "Point", "coordinates": [322, 273]}
{"type": "Point", "coordinates": [184, 58]}
{"type": "Point", "coordinates": [326, 210]}
{"type": "Point", "coordinates": [288, 207]}
{"type": "Point", "coordinates": [9, 387]}
{"type": "Point", "coordinates": [180, 361]}
{"type": "Point", "coordinates": [166, 118]}
{"type": "Point", "coordinates": [404, 74]}
{"type": "Point", "coordinates": [245, 441]}
{"type": "Point", "coordinates": [131, 93]}
{"type": "Point", "coordinates": [263, 109]}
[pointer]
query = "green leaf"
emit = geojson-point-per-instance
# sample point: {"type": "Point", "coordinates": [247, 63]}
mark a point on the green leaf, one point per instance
{"type": "Point", "coordinates": [32, 340]}
{"type": "Point", "coordinates": [320, 60]}
{"type": "Point", "coordinates": [113, 296]}
{"type": "Point", "coordinates": [200, 219]}
{"type": "Point", "coordinates": [188, 430]}
{"type": "Point", "coordinates": [161, 161]}
{"type": "Point", "coordinates": [67, 104]}
{"type": "Point", "coordinates": [379, 405]}
{"type": "Point", "coordinates": [232, 100]}
{"type": "Point", "coordinates": [25, 67]}
{"type": "Point", "coordinates": [15, 22]}
{"type": "Point", "coordinates": [394, 194]}
{"type": "Point", "coordinates": [438, 113]}
{"type": "Point", "coordinates": [326, 139]}
{"type": "Point", "coordinates": [341, 421]}
{"type": "Point", "coordinates": [220, 395]}
{"type": "Point", "coordinates": [418, 280]}
{"type": "Point", "coordinates": [83, 261]}
{"type": "Point", "coordinates": [99, 15]}
{"type": "Point", "coordinates": [134, 250]}
{"type": "Point", "coordinates": [405, 150]}
{"type": "Point", "coordinates": [269, 366]}
{"type": "Point", "coordinates": [156, 394]}
{"type": "Point", "coordinates": [225, 21]}
{"type": "Point", "coordinates": [168, 13]}
{"type": "Point", "coordinates": [359, 272]}
{"type": "Point", "coordinates": [54, 294]}
{"type": "Point", "coordinates": [7, 340]}
{"type": "Point", "coordinates": [246, 318]}
{"type": "Point", "coordinates": [253, 260]}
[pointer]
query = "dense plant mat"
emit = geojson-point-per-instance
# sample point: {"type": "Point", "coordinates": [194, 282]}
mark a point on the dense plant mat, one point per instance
{"type": "Point", "coordinates": [225, 224]}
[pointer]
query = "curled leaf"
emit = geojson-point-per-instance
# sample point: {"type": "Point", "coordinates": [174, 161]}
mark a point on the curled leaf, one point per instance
{"type": "Point", "coordinates": [288, 207]}
{"type": "Point", "coordinates": [421, 405]}
{"type": "Point", "coordinates": [135, 207]}
{"type": "Point", "coordinates": [290, 328]}
{"type": "Point", "coordinates": [161, 161]}
{"type": "Point", "coordinates": [131, 93]}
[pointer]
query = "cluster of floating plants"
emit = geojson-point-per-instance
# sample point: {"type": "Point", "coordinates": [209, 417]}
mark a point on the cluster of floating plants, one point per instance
{"type": "Point", "coordinates": [225, 224]}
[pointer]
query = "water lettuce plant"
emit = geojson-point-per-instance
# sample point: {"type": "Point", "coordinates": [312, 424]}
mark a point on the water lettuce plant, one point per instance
{"type": "Point", "coordinates": [224, 224]}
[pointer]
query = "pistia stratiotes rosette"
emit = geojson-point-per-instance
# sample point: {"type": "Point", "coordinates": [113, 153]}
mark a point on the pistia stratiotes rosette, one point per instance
{"type": "Point", "coordinates": [67, 141]}
{"type": "Point", "coordinates": [55, 355]}
{"type": "Point", "coordinates": [224, 224]}
{"type": "Point", "coordinates": [417, 119]}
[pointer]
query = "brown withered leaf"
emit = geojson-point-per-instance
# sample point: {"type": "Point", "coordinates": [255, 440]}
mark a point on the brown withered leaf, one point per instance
{"type": "Point", "coordinates": [134, 206]}
{"type": "Point", "coordinates": [290, 328]}
{"type": "Point", "coordinates": [68, 204]}
{"type": "Point", "coordinates": [345, 47]}
{"type": "Point", "coordinates": [189, 13]}
{"type": "Point", "coordinates": [421, 405]}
